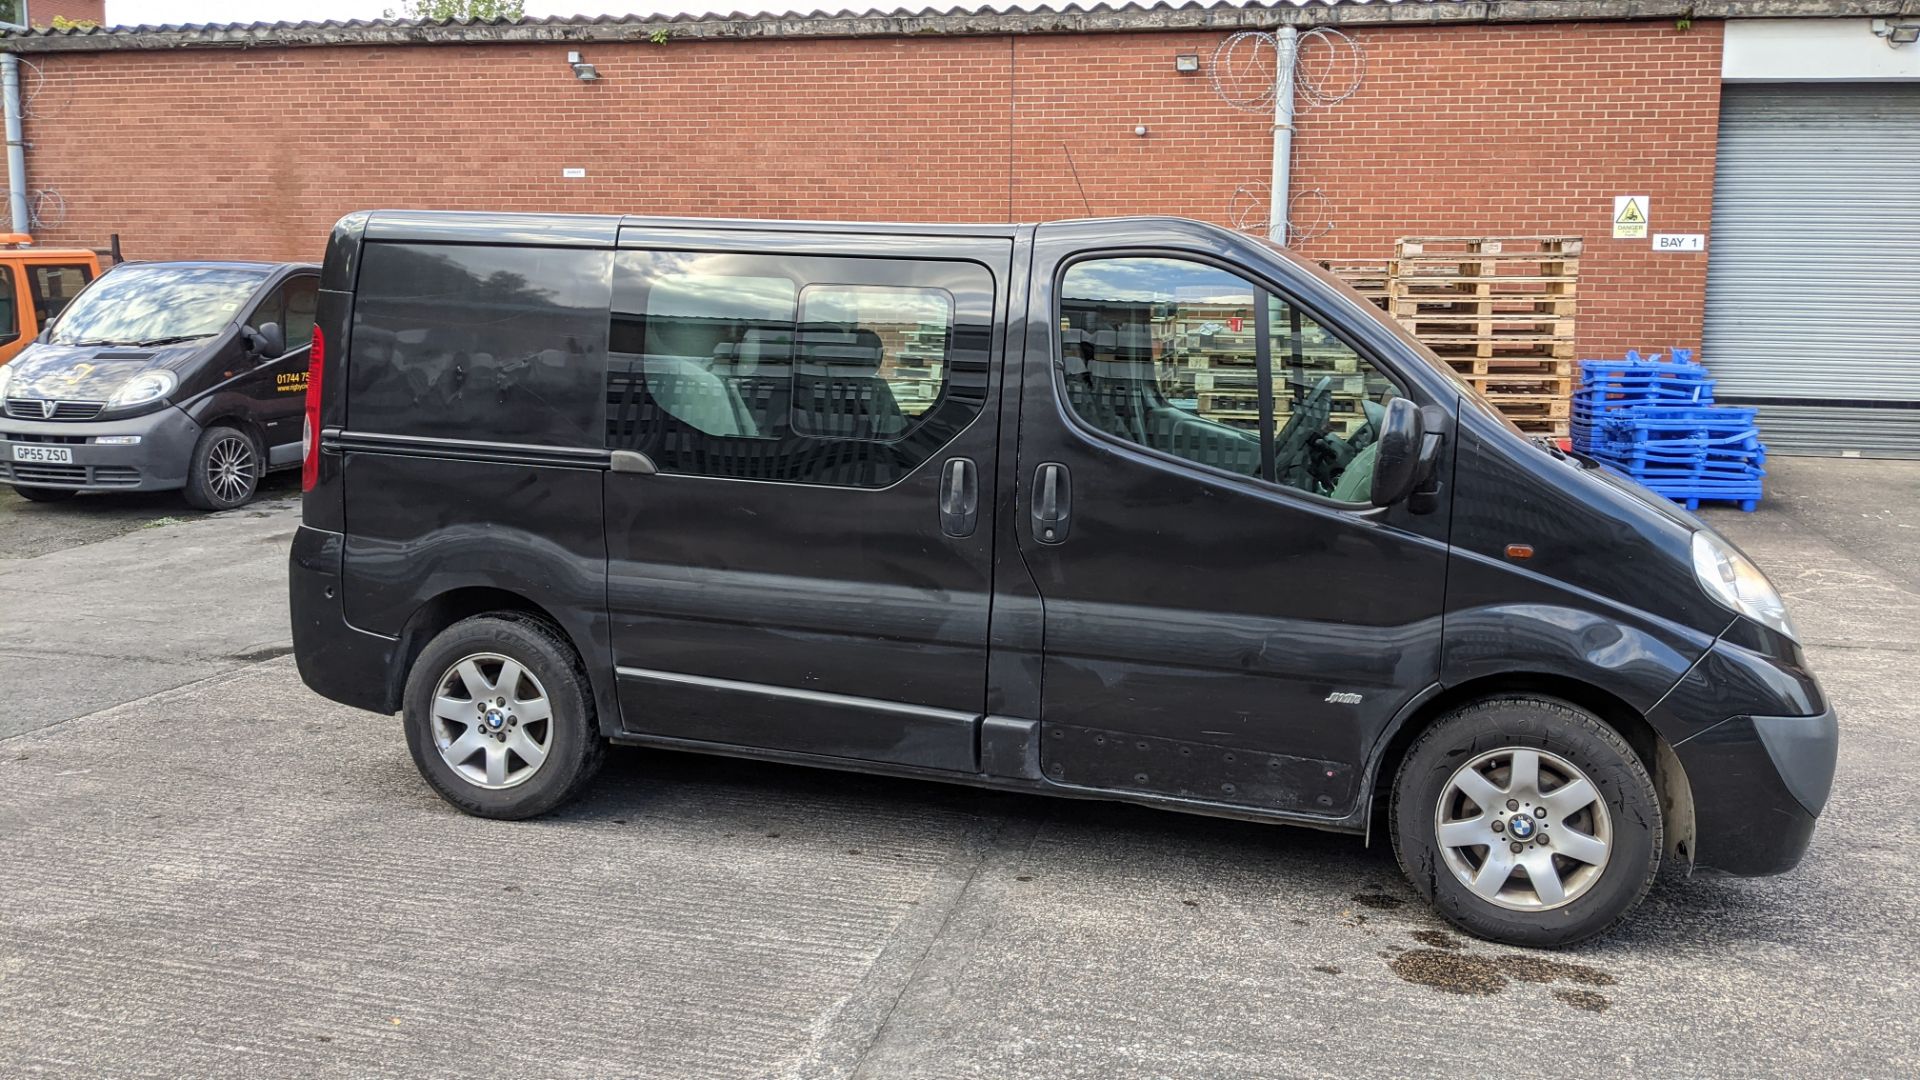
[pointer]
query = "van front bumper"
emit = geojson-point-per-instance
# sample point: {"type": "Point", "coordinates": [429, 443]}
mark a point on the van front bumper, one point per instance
{"type": "Point", "coordinates": [1758, 784]}
{"type": "Point", "coordinates": [158, 462]}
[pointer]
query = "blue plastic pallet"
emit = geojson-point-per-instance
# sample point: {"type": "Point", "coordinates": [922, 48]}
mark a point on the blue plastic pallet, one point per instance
{"type": "Point", "coordinates": [1653, 420]}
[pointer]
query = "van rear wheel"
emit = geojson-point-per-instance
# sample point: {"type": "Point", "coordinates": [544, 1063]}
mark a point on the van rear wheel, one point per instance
{"type": "Point", "coordinates": [1527, 821]}
{"type": "Point", "coordinates": [499, 717]}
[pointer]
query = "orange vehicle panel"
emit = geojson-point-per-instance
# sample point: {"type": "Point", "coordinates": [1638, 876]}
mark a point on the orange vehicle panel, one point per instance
{"type": "Point", "coordinates": [35, 284]}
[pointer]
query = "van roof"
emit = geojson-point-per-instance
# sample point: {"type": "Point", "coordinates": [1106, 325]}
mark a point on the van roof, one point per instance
{"type": "Point", "coordinates": [22, 244]}
{"type": "Point", "coordinates": [602, 230]}
{"type": "Point", "coordinates": [228, 264]}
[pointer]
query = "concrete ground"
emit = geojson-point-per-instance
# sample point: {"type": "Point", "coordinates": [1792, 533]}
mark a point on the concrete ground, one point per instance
{"type": "Point", "coordinates": [207, 871]}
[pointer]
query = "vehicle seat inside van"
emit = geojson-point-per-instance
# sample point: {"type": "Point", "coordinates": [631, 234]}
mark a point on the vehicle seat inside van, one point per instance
{"type": "Point", "coordinates": [1111, 383]}
{"type": "Point", "coordinates": [695, 396]}
{"type": "Point", "coordinates": [1356, 482]}
{"type": "Point", "coordinates": [760, 370]}
{"type": "Point", "coordinates": [837, 389]}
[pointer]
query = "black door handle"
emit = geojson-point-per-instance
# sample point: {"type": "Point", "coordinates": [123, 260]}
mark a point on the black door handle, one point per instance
{"type": "Point", "coordinates": [959, 497]}
{"type": "Point", "coordinates": [1052, 503]}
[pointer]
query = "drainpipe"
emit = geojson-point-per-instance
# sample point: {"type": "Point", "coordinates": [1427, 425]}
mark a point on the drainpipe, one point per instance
{"type": "Point", "coordinates": [16, 145]}
{"type": "Point", "coordinates": [1286, 47]}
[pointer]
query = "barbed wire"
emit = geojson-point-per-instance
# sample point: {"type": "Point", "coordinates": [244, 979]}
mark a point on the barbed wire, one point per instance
{"type": "Point", "coordinates": [1325, 67]}
{"type": "Point", "coordinates": [1249, 209]}
{"type": "Point", "coordinates": [46, 207]}
{"type": "Point", "coordinates": [1246, 68]}
{"type": "Point", "coordinates": [32, 91]}
{"type": "Point", "coordinates": [1320, 58]}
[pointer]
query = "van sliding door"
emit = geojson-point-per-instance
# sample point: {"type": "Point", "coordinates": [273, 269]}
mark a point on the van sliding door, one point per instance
{"type": "Point", "coordinates": [799, 524]}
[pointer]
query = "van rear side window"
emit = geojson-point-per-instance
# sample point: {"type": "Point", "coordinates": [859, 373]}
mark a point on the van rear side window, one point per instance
{"type": "Point", "coordinates": [491, 344]}
{"type": "Point", "coordinates": [810, 370]}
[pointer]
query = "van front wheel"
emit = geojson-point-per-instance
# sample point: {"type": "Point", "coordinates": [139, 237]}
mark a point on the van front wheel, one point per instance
{"type": "Point", "coordinates": [1527, 821]}
{"type": "Point", "coordinates": [225, 469]}
{"type": "Point", "coordinates": [500, 719]}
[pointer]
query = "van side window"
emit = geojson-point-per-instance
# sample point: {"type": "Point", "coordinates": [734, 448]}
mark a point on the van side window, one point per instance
{"type": "Point", "coordinates": [1327, 403]}
{"type": "Point", "coordinates": [713, 349]}
{"type": "Point", "coordinates": [495, 344]}
{"type": "Point", "coordinates": [303, 303]}
{"type": "Point", "coordinates": [54, 287]}
{"type": "Point", "coordinates": [895, 338]}
{"type": "Point", "coordinates": [272, 308]}
{"type": "Point", "coordinates": [804, 369]}
{"type": "Point", "coordinates": [293, 306]}
{"type": "Point", "coordinates": [9, 307]}
{"type": "Point", "coordinates": [1201, 364]}
{"type": "Point", "coordinates": [1162, 352]}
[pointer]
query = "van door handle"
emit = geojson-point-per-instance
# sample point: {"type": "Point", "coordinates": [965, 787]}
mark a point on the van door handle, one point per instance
{"type": "Point", "coordinates": [1052, 503]}
{"type": "Point", "coordinates": [959, 497]}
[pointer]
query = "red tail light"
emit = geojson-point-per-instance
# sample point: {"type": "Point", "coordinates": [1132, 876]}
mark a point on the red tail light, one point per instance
{"type": "Point", "coordinates": [310, 432]}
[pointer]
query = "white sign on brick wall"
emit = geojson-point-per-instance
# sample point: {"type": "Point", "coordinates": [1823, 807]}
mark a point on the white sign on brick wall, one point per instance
{"type": "Point", "coordinates": [1685, 241]}
{"type": "Point", "coordinates": [1630, 214]}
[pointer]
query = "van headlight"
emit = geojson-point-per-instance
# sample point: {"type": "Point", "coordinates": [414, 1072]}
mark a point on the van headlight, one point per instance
{"type": "Point", "coordinates": [142, 388]}
{"type": "Point", "coordinates": [1732, 579]}
{"type": "Point", "coordinates": [6, 378]}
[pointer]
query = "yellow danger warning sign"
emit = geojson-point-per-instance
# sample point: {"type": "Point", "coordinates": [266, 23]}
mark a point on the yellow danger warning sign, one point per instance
{"type": "Point", "coordinates": [1630, 214]}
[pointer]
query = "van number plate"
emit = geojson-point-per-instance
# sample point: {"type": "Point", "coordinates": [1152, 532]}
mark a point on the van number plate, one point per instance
{"type": "Point", "coordinates": [45, 455]}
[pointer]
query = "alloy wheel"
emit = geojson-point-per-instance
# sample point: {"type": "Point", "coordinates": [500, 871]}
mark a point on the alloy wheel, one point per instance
{"type": "Point", "coordinates": [230, 468]}
{"type": "Point", "coordinates": [492, 721]}
{"type": "Point", "coordinates": [1523, 829]}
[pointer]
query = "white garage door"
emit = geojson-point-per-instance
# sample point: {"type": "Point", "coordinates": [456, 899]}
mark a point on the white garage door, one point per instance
{"type": "Point", "coordinates": [1813, 272]}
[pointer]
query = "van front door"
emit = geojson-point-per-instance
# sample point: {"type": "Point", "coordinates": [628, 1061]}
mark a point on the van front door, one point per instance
{"type": "Point", "coordinates": [1227, 618]}
{"type": "Point", "coordinates": [799, 520]}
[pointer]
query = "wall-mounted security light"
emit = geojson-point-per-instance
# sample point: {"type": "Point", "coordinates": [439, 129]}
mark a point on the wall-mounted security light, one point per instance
{"type": "Point", "coordinates": [1187, 63]}
{"type": "Point", "coordinates": [1141, 130]}
{"type": "Point", "coordinates": [1897, 34]}
{"type": "Point", "coordinates": [582, 70]}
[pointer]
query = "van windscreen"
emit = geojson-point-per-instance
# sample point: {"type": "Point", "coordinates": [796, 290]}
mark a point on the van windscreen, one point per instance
{"type": "Point", "coordinates": [157, 304]}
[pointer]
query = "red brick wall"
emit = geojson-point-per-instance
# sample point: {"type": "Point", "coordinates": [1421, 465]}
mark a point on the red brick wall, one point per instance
{"type": "Point", "coordinates": [43, 12]}
{"type": "Point", "coordinates": [1533, 129]}
{"type": "Point", "coordinates": [1469, 129]}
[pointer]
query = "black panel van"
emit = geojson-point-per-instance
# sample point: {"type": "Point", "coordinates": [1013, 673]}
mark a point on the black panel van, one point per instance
{"type": "Point", "coordinates": [163, 376]}
{"type": "Point", "coordinates": [1140, 509]}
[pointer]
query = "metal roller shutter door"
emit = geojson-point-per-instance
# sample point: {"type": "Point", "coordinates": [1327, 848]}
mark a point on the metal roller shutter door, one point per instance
{"type": "Point", "coordinates": [1813, 272]}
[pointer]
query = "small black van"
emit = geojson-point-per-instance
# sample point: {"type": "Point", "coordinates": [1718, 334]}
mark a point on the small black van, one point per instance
{"type": "Point", "coordinates": [1141, 510]}
{"type": "Point", "coordinates": [163, 376]}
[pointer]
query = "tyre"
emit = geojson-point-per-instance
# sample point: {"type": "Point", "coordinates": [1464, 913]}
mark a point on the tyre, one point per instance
{"type": "Point", "coordinates": [225, 469]}
{"type": "Point", "coordinates": [44, 494]}
{"type": "Point", "coordinates": [500, 719]}
{"type": "Point", "coordinates": [1527, 821]}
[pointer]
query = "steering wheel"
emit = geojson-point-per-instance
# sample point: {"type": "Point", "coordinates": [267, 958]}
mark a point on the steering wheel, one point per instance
{"type": "Point", "coordinates": [1308, 421]}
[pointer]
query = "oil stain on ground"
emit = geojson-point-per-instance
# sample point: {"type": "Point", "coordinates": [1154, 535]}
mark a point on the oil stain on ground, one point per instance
{"type": "Point", "coordinates": [1446, 966]}
{"type": "Point", "coordinates": [1583, 999]}
{"type": "Point", "coordinates": [1438, 939]}
{"type": "Point", "coordinates": [1378, 901]}
{"type": "Point", "coordinates": [1451, 972]}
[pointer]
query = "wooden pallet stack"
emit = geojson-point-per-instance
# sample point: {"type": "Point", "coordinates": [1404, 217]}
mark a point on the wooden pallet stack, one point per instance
{"type": "Point", "coordinates": [1221, 380]}
{"type": "Point", "coordinates": [1368, 278]}
{"type": "Point", "coordinates": [1500, 310]}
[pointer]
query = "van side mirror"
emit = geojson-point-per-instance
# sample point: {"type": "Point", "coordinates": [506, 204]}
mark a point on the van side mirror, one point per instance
{"type": "Point", "coordinates": [1396, 466]}
{"type": "Point", "coordinates": [267, 342]}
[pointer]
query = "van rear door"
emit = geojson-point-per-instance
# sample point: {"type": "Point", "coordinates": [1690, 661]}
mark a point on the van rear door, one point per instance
{"type": "Point", "coordinates": [799, 521]}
